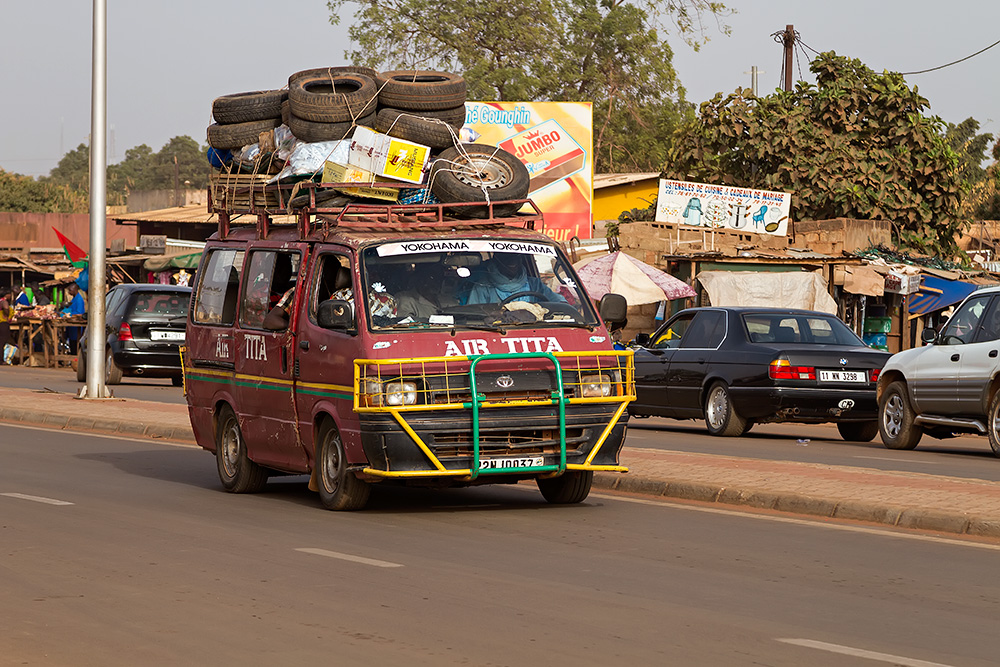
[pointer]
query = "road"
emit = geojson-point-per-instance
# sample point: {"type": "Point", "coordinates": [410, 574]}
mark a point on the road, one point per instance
{"type": "Point", "coordinates": [123, 552]}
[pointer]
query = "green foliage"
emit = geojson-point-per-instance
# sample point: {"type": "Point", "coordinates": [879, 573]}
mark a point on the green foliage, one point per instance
{"type": "Point", "coordinates": [855, 145]}
{"type": "Point", "coordinates": [970, 147]}
{"type": "Point", "coordinates": [609, 52]}
{"type": "Point", "coordinates": [23, 194]}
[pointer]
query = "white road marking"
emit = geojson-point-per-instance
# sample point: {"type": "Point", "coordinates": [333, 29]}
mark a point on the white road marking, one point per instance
{"type": "Point", "coordinates": [816, 523]}
{"type": "Point", "coordinates": [105, 436]}
{"type": "Point", "coordinates": [37, 499]}
{"type": "Point", "coordinates": [886, 458]}
{"type": "Point", "coordinates": [861, 653]}
{"type": "Point", "coordinates": [353, 559]}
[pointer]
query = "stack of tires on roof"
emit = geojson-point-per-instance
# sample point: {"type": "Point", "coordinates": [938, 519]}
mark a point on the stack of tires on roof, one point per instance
{"type": "Point", "coordinates": [262, 131]}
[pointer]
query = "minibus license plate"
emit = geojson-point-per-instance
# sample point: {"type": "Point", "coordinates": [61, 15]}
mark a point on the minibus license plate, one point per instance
{"type": "Point", "coordinates": [511, 462]}
{"type": "Point", "coordinates": [842, 376]}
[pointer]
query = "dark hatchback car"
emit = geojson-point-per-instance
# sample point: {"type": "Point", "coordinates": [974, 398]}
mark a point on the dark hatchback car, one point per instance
{"type": "Point", "coordinates": [736, 367]}
{"type": "Point", "coordinates": [145, 329]}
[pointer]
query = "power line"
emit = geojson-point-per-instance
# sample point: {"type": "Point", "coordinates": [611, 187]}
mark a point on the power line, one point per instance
{"type": "Point", "coordinates": [924, 71]}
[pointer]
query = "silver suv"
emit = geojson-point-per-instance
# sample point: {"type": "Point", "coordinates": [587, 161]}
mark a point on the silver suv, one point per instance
{"type": "Point", "coordinates": [950, 385]}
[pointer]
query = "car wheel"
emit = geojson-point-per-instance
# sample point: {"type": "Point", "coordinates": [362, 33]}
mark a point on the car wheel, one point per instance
{"type": "Point", "coordinates": [895, 423]}
{"type": "Point", "coordinates": [112, 373]}
{"type": "Point", "coordinates": [573, 486]}
{"type": "Point", "coordinates": [177, 380]}
{"type": "Point", "coordinates": [339, 489]}
{"type": "Point", "coordinates": [81, 368]}
{"type": "Point", "coordinates": [993, 425]}
{"type": "Point", "coordinates": [858, 431]}
{"type": "Point", "coordinates": [238, 473]}
{"type": "Point", "coordinates": [721, 417]}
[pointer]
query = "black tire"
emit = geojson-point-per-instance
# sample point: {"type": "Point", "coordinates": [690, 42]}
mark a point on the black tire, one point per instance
{"type": "Point", "coordinates": [573, 486]}
{"type": "Point", "coordinates": [177, 381]}
{"type": "Point", "coordinates": [239, 135]}
{"type": "Point", "coordinates": [466, 172]}
{"type": "Point", "coordinates": [310, 131]}
{"type": "Point", "coordinates": [993, 424]}
{"type": "Point", "coordinates": [112, 373]}
{"type": "Point", "coordinates": [454, 117]}
{"type": "Point", "coordinates": [237, 472]}
{"type": "Point", "coordinates": [419, 90]}
{"type": "Point", "coordinates": [341, 99]}
{"type": "Point", "coordinates": [406, 125]}
{"type": "Point", "coordinates": [339, 489]}
{"type": "Point", "coordinates": [858, 431]}
{"type": "Point", "coordinates": [895, 418]}
{"type": "Point", "coordinates": [330, 72]}
{"type": "Point", "coordinates": [721, 417]}
{"type": "Point", "coordinates": [247, 107]}
{"type": "Point", "coordinates": [81, 366]}
{"type": "Point", "coordinates": [286, 112]}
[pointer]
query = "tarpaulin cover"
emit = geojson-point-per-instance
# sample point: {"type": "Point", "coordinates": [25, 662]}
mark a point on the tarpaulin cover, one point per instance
{"type": "Point", "coordinates": [635, 280]}
{"type": "Point", "coordinates": [186, 261]}
{"type": "Point", "coordinates": [937, 293]}
{"type": "Point", "coordinates": [798, 289]}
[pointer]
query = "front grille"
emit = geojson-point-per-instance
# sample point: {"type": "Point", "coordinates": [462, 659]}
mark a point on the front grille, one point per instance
{"type": "Point", "coordinates": [455, 444]}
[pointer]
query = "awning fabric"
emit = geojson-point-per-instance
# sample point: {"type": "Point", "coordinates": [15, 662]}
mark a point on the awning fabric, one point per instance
{"type": "Point", "coordinates": [937, 293]}
{"type": "Point", "coordinates": [793, 289]}
{"type": "Point", "coordinates": [186, 261]}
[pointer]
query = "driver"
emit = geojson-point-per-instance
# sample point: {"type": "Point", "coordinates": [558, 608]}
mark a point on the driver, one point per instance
{"type": "Point", "coordinates": [505, 276]}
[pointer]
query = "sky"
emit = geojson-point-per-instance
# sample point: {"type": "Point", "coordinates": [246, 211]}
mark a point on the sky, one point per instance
{"type": "Point", "coordinates": [168, 59]}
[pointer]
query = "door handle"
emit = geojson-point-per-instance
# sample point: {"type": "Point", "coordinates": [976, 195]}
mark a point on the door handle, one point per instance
{"type": "Point", "coordinates": [993, 353]}
{"type": "Point", "coordinates": [954, 357]}
{"type": "Point", "coordinates": [304, 344]}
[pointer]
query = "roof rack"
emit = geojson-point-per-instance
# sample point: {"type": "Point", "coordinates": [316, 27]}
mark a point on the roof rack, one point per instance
{"type": "Point", "coordinates": [233, 197]}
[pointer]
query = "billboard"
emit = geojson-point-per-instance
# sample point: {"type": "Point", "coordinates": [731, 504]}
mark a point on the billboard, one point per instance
{"type": "Point", "coordinates": [554, 140]}
{"type": "Point", "coordinates": [723, 207]}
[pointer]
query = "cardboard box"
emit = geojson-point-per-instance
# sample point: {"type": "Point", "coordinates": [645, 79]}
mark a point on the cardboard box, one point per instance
{"type": "Point", "coordinates": [339, 173]}
{"type": "Point", "coordinates": [548, 151]}
{"type": "Point", "coordinates": [388, 156]}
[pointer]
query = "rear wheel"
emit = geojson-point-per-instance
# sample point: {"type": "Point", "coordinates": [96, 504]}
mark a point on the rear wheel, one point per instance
{"type": "Point", "coordinates": [238, 473]}
{"type": "Point", "coordinates": [177, 380]}
{"type": "Point", "coordinates": [721, 417]}
{"type": "Point", "coordinates": [81, 367]}
{"type": "Point", "coordinates": [112, 373]}
{"type": "Point", "coordinates": [339, 489]}
{"type": "Point", "coordinates": [573, 486]}
{"type": "Point", "coordinates": [858, 431]}
{"type": "Point", "coordinates": [896, 416]}
{"type": "Point", "coordinates": [993, 424]}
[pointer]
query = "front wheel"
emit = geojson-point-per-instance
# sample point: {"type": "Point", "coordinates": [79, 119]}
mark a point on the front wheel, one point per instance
{"type": "Point", "coordinates": [993, 424]}
{"type": "Point", "coordinates": [238, 473]}
{"type": "Point", "coordinates": [895, 423]}
{"type": "Point", "coordinates": [81, 367]}
{"type": "Point", "coordinates": [858, 431]}
{"type": "Point", "coordinates": [721, 417]}
{"type": "Point", "coordinates": [112, 373]}
{"type": "Point", "coordinates": [573, 486]}
{"type": "Point", "coordinates": [339, 489]}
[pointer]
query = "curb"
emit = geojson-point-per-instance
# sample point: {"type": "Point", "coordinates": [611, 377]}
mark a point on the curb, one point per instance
{"type": "Point", "coordinates": [98, 425]}
{"type": "Point", "coordinates": [911, 518]}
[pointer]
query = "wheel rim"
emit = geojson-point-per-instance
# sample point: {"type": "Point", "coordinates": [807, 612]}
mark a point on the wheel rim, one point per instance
{"type": "Point", "coordinates": [107, 367]}
{"type": "Point", "coordinates": [331, 464]}
{"type": "Point", "coordinates": [230, 447]}
{"type": "Point", "coordinates": [892, 416]}
{"type": "Point", "coordinates": [483, 172]}
{"type": "Point", "coordinates": [995, 421]}
{"type": "Point", "coordinates": [717, 408]}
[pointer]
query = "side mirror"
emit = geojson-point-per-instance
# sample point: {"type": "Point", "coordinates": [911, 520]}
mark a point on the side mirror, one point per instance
{"type": "Point", "coordinates": [642, 339]}
{"type": "Point", "coordinates": [335, 314]}
{"type": "Point", "coordinates": [613, 308]}
{"type": "Point", "coordinates": [929, 336]}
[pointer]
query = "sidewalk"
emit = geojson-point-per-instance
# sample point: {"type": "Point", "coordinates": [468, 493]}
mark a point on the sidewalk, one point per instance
{"type": "Point", "coordinates": [906, 500]}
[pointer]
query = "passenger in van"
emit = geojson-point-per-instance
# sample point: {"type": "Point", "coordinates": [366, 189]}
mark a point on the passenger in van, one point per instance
{"type": "Point", "coordinates": [506, 275]}
{"type": "Point", "coordinates": [278, 317]}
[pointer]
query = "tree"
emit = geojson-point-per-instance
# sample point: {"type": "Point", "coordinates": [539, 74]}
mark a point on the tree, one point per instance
{"type": "Point", "coordinates": [23, 194]}
{"type": "Point", "coordinates": [609, 52]}
{"type": "Point", "coordinates": [970, 147]}
{"type": "Point", "coordinates": [857, 144]}
{"type": "Point", "coordinates": [73, 169]}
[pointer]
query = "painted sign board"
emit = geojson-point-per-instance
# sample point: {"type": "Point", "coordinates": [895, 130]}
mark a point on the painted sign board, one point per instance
{"type": "Point", "coordinates": [723, 207]}
{"type": "Point", "coordinates": [554, 140]}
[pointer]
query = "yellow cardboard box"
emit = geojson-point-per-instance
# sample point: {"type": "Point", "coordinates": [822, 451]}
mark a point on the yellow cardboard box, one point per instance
{"type": "Point", "coordinates": [340, 173]}
{"type": "Point", "coordinates": [388, 156]}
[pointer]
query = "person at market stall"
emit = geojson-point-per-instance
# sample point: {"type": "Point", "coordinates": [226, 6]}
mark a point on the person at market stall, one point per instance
{"type": "Point", "coordinates": [6, 313]}
{"type": "Point", "coordinates": [76, 306]}
{"type": "Point", "coordinates": [25, 297]}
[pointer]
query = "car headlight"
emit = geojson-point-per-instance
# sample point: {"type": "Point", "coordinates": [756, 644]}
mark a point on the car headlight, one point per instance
{"type": "Point", "coordinates": [401, 393]}
{"type": "Point", "coordinates": [595, 386]}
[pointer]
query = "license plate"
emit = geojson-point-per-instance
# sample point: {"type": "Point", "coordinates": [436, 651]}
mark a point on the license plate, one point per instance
{"type": "Point", "coordinates": [843, 376]}
{"type": "Point", "coordinates": [166, 335]}
{"type": "Point", "coordinates": [512, 462]}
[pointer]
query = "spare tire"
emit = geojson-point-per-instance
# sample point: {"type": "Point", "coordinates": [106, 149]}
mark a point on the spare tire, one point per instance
{"type": "Point", "coordinates": [419, 90]}
{"type": "Point", "coordinates": [238, 135]}
{"type": "Point", "coordinates": [469, 171]}
{"type": "Point", "coordinates": [337, 99]}
{"type": "Point", "coordinates": [329, 72]}
{"type": "Point", "coordinates": [454, 117]}
{"type": "Point", "coordinates": [311, 132]}
{"type": "Point", "coordinates": [246, 107]}
{"type": "Point", "coordinates": [411, 126]}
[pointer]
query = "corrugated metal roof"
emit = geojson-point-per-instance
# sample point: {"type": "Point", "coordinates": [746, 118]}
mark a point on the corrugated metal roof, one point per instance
{"type": "Point", "coordinates": [194, 213]}
{"type": "Point", "coordinates": [608, 180]}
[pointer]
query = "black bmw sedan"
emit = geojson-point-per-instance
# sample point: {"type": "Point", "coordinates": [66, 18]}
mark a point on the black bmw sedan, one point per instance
{"type": "Point", "coordinates": [736, 367]}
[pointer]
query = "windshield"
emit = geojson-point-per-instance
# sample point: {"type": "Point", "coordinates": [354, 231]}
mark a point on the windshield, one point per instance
{"type": "Point", "coordinates": [809, 329]}
{"type": "Point", "coordinates": [472, 283]}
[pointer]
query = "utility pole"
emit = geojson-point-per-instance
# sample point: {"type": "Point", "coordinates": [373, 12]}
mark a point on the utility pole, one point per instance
{"type": "Point", "coordinates": [788, 40]}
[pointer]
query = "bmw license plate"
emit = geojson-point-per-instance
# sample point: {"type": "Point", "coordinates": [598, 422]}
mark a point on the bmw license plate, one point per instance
{"type": "Point", "coordinates": [166, 335]}
{"type": "Point", "coordinates": [843, 376]}
{"type": "Point", "coordinates": [511, 462]}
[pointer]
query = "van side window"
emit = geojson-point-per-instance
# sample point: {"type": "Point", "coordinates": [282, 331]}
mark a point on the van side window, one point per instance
{"type": "Point", "coordinates": [218, 288]}
{"type": "Point", "coordinates": [270, 274]}
{"type": "Point", "coordinates": [333, 281]}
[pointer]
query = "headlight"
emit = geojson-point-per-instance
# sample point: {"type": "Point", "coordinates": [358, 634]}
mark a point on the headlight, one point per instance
{"type": "Point", "coordinates": [401, 393]}
{"type": "Point", "coordinates": [595, 386]}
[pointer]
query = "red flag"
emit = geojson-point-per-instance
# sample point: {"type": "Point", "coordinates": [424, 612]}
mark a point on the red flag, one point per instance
{"type": "Point", "coordinates": [73, 251]}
